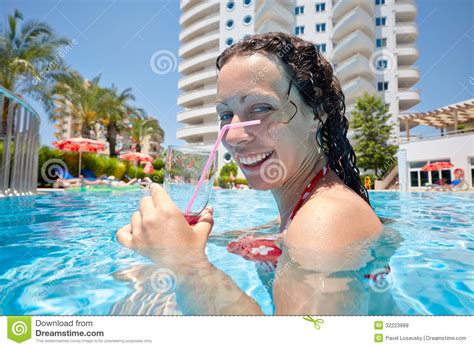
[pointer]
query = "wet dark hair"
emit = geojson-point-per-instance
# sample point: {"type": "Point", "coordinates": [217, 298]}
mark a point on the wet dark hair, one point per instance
{"type": "Point", "coordinates": [313, 76]}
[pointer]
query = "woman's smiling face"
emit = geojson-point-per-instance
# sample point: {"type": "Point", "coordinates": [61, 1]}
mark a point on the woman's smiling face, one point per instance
{"type": "Point", "coordinates": [269, 154]}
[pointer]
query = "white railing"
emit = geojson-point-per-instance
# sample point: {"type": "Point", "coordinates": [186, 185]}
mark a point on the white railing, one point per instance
{"type": "Point", "coordinates": [19, 139]}
{"type": "Point", "coordinates": [420, 137]}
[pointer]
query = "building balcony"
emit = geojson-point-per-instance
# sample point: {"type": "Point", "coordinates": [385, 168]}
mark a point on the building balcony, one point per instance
{"type": "Point", "coordinates": [203, 43]}
{"type": "Point", "coordinates": [201, 27]}
{"type": "Point", "coordinates": [205, 77]}
{"type": "Point", "coordinates": [406, 32]}
{"type": "Point", "coordinates": [200, 61]}
{"type": "Point", "coordinates": [196, 12]}
{"type": "Point", "coordinates": [190, 133]}
{"type": "Point", "coordinates": [185, 5]}
{"type": "Point", "coordinates": [356, 19]}
{"type": "Point", "coordinates": [407, 98]}
{"type": "Point", "coordinates": [272, 26]}
{"type": "Point", "coordinates": [198, 97]}
{"type": "Point", "coordinates": [356, 88]}
{"type": "Point", "coordinates": [407, 76]}
{"type": "Point", "coordinates": [406, 54]}
{"type": "Point", "coordinates": [344, 6]}
{"type": "Point", "coordinates": [275, 11]}
{"type": "Point", "coordinates": [357, 42]}
{"type": "Point", "coordinates": [357, 65]}
{"type": "Point", "coordinates": [405, 11]}
{"type": "Point", "coordinates": [197, 114]}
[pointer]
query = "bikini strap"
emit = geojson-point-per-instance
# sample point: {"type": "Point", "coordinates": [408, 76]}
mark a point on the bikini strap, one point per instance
{"type": "Point", "coordinates": [309, 188]}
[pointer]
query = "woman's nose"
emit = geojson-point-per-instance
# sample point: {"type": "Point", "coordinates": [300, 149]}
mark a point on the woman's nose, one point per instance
{"type": "Point", "coordinates": [239, 135]}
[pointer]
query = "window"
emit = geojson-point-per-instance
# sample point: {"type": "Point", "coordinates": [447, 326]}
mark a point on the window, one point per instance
{"type": "Point", "coordinates": [382, 86]}
{"type": "Point", "coordinates": [229, 24]}
{"type": "Point", "coordinates": [382, 42]}
{"type": "Point", "coordinates": [379, 2]}
{"type": "Point", "coordinates": [230, 5]}
{"type": "Point", "coordinates": [320, 27]}
{"type": "Point", "coordinates": [419, 178]}
{"type": "Point", "coordinates": [321, 47]}
{"type": "Point", "coordinates": [471, 162]}
{"type": "Point", "coordinates": [229, 41]}
{"type": "Point", "coordinates": [247, 20]}
{"type": "Point", "coordinates": [299, 30]}
{"type": "Point", "coordinates": [414, 181]}
{"type": "Point", "coordinates": [247, 3]}
{"type": "Point", "coordinates": [320, 7]}
{"type": "Point", "coordinates": [380, 21]}
{"type": "Point", "coordinates": [382, 64]}
{"type": "Point", "coordinates": [299, 10]}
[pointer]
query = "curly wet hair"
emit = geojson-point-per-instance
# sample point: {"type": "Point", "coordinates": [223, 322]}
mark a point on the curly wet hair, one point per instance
{"type": "Point", "coordinates": [314, 78]}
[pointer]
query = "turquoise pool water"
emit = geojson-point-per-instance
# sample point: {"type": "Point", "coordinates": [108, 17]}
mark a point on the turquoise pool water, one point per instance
{"type": "Point", "coordinates": [58, 253]}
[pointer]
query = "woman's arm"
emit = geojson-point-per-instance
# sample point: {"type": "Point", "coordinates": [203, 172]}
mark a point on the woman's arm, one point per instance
{"type": "Point", "coordinates": [325, 245]}
{"type": "Point", "coordinates": [160, 232]}
{"type": "Point", "coordinates": [205, 290]}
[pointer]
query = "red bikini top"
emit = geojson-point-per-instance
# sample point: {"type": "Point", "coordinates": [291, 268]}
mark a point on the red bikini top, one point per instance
{"type": "Point", "coordinates": [307, 192]}
{"type": "Point", "coordinates": [266, 250]}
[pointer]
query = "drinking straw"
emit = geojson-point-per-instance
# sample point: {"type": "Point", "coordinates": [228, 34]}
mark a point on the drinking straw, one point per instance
{"type": "Point", "coordinates": [211, 158]}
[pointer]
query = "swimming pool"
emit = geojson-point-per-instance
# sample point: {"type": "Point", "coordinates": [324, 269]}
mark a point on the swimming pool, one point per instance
{"type": "Point", "coordinates": [58, 253]}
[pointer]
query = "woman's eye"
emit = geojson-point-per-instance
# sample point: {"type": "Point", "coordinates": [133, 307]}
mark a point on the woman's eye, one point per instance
{"type": "Point", "coordinates": [225, 117]}
{"type": "Point", "coordinates": [261, 109]}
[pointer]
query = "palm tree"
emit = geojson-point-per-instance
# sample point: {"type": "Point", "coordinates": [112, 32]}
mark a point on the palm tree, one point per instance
{"type": "Point", "coordinates": [83, 101]}
{"type": "Point", "coordinates": [141, 127]}
{"type": "Point", "coordinates": [116, 114]}
{"type": "Point", "coordinates": [29, 59]}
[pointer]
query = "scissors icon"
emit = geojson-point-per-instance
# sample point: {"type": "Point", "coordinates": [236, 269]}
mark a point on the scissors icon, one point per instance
{"type": "Point", "coordinates": [315, 322]}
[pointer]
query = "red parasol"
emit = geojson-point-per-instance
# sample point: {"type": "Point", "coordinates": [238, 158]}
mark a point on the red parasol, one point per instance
{"type": "Point", "coordinates": [79, 145]}
{"type": "Point", "coordinates": [136, 157]}
{"type": "Point", "coordinates": [148, 168]}
{"type": "Point", "coordinates": [436, 166]}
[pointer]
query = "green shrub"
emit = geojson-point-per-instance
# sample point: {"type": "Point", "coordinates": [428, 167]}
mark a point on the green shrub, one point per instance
{"type": "Point", "coordinates": [99, 164]}
{"type": "Point", "coordinates": [240, 181]}
{"type": "Point", "coordinates": [226, 169]}
{"type": "Point", "coordinates": [158, 164]}
{"type": "Point", "coordinates": [157, 176]}
{"type": "Point", "coordinates": [119, 170]}
{"type": "Point", "coordinates": [135, 172]}
{"type": "Point", "coordinates": [223, 181]}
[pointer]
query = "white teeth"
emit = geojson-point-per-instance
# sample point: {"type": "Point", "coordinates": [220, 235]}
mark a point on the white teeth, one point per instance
{"type": "Point", "coordinates": [249, 160]}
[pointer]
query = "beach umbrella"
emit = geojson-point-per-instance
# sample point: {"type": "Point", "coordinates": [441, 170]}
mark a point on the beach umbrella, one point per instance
{"type": "Point", "coordinates": [136, 157]}
{"type": "Point", "coordinates": [79, 145]}
{"type": "Point", "coordinates": [436, 166]}
{"type": "Point", "coordinates": [148, 168]}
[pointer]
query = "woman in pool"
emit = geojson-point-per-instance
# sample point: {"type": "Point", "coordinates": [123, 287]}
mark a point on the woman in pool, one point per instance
{"type": "Point", "coordinates": [324, 210]}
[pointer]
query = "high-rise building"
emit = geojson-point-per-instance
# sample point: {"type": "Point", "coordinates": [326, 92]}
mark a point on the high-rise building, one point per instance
{"type": "Point", "coordinates": [370, 43]}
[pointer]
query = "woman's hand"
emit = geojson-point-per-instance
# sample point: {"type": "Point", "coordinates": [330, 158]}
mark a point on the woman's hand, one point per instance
{"type": "Point", "coordinates": [160, 231]}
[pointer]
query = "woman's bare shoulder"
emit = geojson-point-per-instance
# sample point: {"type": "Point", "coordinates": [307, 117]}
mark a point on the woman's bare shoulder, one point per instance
{"type": "Point", "coordinates": [333, 220]}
